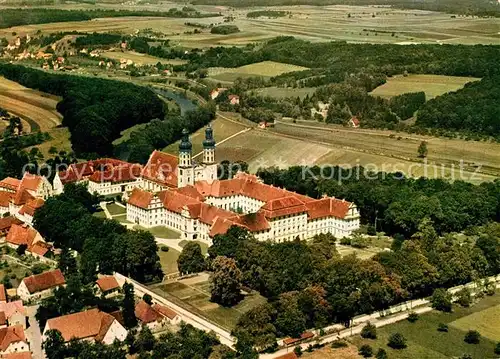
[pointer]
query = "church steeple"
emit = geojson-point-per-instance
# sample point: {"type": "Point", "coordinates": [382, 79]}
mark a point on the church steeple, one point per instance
{"type": "Point", "coordinates": [185, 175]}
{"type": "Point", "coordinates": [185, 145]}
{"type": "Point", "coordinates": [209, 146]}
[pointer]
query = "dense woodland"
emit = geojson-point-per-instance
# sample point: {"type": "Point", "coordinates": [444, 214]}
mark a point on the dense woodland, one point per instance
{"type": "Point", "coordinates": [393, 203]}
{"type": "Point", "coordinates": [17, 17]}
{"type": "Point", "coordinates": [95, 110]}
{"type": "Point", "coordinates": [345, 74]}
{"type": "Point", "coordinates": [466, 7]}
{"type": "Point", "coordinates": [312, 285]}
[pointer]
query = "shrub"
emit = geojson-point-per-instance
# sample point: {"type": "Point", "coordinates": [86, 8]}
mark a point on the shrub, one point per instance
{"type": "Point", "coordinates": [397, 341]}
{"type": "Point", "coordinates": [369, 331]}
{"type": "Point", "coordinates": [164, 248]}
{"type": "Point", "coordinates": [345, 241]}
{"type": "Point", "coordinates": [497, 349]}
{"type": "Point", "coordinates": [412, 317]}
{"type": "Point", "coordinates": [298, 350]}
{"type": "Point", "coordinates": [464, 298]}
{"type": "Point", "coordinates": [381, 354]}
{"type": "Point", "coordinates": [147, 298]}
{"type": "Point", "coordinates": [309, 348]}
{"type": "Point", "coordinates": [366, 351]}
{"type": "Point", "coordinates": [472, 337]}
{"type": "Point", "coordinates": [442, 327]}
{"type": "Point", "coordinates": [370, 230]}
{"type": "Point", "coordinates": [441, 300]}
{"type": "Point", "coordinates": [339, 344]}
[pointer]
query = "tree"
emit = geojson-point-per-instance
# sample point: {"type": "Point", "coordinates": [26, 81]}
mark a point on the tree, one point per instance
{"type": "Point", "coordinates": [441, 300]}
{"type": "Point", "coordinates": [412, 317]}
{"type": "Point", "coordinates": [191, 259]}
{"type": "Point", "coordinates": [472, 337]}
{"type": "Point", "coordinates": [67, 262]}
{"type": "Point", "coordinates": [442, 327]}
{"type": "Point", "coordinates": [225, 282]}
{"type": "Point", "coordinates": [397, 341]}
{"type": "Point", "coordinates": [128, 306]}
{"type": "Point", "coordinates": [21, 249]}
{"type": "Point", "coordinates": [53, 345]}
{"type": "Point", "coordinates": [145, 340]}
{"type": "Point", "coordinates": [290, 320]}
{"type": "Point", "coordinates": [366, 351]}
{"type": "Point", "coordinates": [464, 297]}
{"type": "Point", "coordinates": [147, 298]}
{"type": "Point", "coordinates": [369, 331]}
{"type": "Point", "coordinates": [298, 350]}
{"type": "Point", "coordinates": [422, 149]}
{"type": "Point", "coordinates": [497, 349]}
{"type": "Point", "coordinates": [381, 354]}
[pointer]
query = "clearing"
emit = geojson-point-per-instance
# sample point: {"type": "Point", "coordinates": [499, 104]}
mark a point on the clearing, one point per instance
{"type": "Point", "coordinates": [37, 108]}
{"type": "Point", "coordinates": [426, 342]}
{"type": "Point", "coordinates": [263, 69]}
{"type": "Point", "coordinates": [281, 92]}
{"type": "Point", "coordinates": [193, 294]}
{"type": "Point", "coordinates": [484, 321]}
{"type": "Point", "coordinates": [140, 59]}
{"type": "Point", "coordinates": [432, 85]}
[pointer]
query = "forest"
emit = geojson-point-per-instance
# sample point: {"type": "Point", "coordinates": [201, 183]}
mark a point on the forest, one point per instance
{"type": "Point", "coordinates": [312, 285]}
{"type": "Point", "coordinates": [224, 29]}
{"type": "Point", "coordinates": [95, 110]}
{"type": "Point", "coordinates": [393, 203]}
{"type": "Point", "coordinates": [465, 7]}
{"type": "Point", "coordinates": [17, 17]}
{"type": "Point", "coordinates": [345, 74]}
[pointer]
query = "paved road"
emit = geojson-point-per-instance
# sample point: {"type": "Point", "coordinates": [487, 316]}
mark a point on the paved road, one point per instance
{"type": "Point", "coordinates": [33, 333]}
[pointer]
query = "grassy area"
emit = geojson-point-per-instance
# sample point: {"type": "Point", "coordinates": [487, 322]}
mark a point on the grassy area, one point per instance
{"type": "Point", "coordinates": [168, 261]}
{"type": "Point", "coordinates": [280, 92]}
{"type": "Point", "coordinates": [203, 246]}
{"type": "Point", "coordinates": [425, 342]}
{"type": "Point", "coordinates": [100, 214]}
{"type": "Point", "coordinates": [141, 59]}
{"type": "Point", "coordinates": [115, 209]}
{"type": "Point", "coordinates": [195, 296]}
{"type": "Point", "coordinates": [160, 231]}
{"type": "Point", "coordinates": [122, 218]}
{"type": "Point", "coordinates": [264, 69]}
{"type": "Point", "coordinates": [432, 85]}
{"type": "Point", "coordinates": [485, 322]}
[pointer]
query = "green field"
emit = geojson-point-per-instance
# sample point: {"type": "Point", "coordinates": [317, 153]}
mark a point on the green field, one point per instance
{"type": "Point", "coordinates": [425, 342]}
{"type": "Point", "coordinates": [168, 261]}
{"type": "Point", "coordinates": [432, 85]}
{"type": "Point", "coordinates": [263, 69]}
{"type": "Point", "coordinates": [486, 322]}
{"type": "Point", "coordinates": [160, 231]}
{"type": "Point", "coordinates": [115, 209]}
{"type": "Point", "coordinates": [279, 92]}
{"type": "Point", "coordinates": [194, 295]}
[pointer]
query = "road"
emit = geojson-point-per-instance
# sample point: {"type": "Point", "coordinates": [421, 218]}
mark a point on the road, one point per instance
{"type": "Point", "coordinates": [33, 333]}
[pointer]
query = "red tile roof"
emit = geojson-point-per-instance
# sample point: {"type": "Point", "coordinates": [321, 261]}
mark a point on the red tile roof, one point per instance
{"type": "Point", "coordinates": [10, 308]}
{"type": "Point", "coordinates": [328, 207]}
{"type": "Point", "coordinates": [21, 355]}
{"type": "Point", "coordinates": [162, 168]}
{"type": "Point", "coordinates": [30, 207]}
{"type": "Point", "coordinates": [5, 198]}
{"type": "Point", "coordinates": [7, 222]}
{"type": "Point", "coordinates": [3, 294]}
{"type": "Point", "coordinates": [22, 197]}
{"type": "Point", "coordinates": [90, 324]}
{"type": "Point", "coordinates": [140, 198]}
{"type": "Point", "coordinates": [10, 335]}
{"type": "Point", "coordinates": [30, 182]}
{"type": "Point", "coordinates": [127, 173]}
{"type": "Point", "coordinates": [10, 183]}
{"type": "Point", "coordinates": [43, 281]}
{"type": "Point", "coordinates": [3, 319]}
{"type": "Point", "coordinates": [283, 207]}
{"type": "Point", "coordinates": [165, 311]}
{"type": "Point", "coordinates": [107, 283]}
{"type": "Point", "coordinates": [82, 170]}
{"type": "Point", "coordinates": [146, 314]}
{"type": "Point", "coordinates": [22, 234]}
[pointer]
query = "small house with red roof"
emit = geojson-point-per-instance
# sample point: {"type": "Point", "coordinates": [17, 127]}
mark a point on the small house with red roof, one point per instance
{"type": "Point", "coordinates": [107, 285]}
{"type": "Point", "coordinates": [13, 313]}
{"type": "Point", "coordinates": [25, 235]}
{"type": "Point", "coordinates": [216, 92]}
{"type": "Point", "coordinates": [13, 340]}
{"type": "Point", "coordinates": [155, 316]}
{"type": "Point", "coordinates": [354, 122]}
{"type": "Point", "coordinates": [234, 99]}
{"type": "Point", "coordinates": [40, 285]}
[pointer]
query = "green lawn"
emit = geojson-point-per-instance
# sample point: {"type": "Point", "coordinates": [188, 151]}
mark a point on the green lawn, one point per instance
{"type": "Point", "coordinates": [160, 231]}
{"type": "Point", "coordinates": [99, 214]}
{"type": "Point", "coordinates": [115, 209]}
{"type": "Point", "coordinates": [486, 322]}
{"type": "Point", "coordinates": [204, 246]}
{"type": "Point", "coordinates": [168, 261]}
{"type": "Point", "coordinates": [122, 218]}
{"type": "Point", "coordinates": [425, 342]}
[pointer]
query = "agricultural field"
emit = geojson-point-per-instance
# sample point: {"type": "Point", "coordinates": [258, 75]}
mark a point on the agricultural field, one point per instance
{"type": "Point", "coordinates": [350, 352]}
{"type": "Point", "coordinates": [280, 92]}
{"type": "Point", "coordinates": [37, 109]}
{"type": "Point", "coordinates": [391, 151]}
{"type": "Point", "coordinates": [194, 295]}
{"type": "Point", "coordinates": [262, 69]}
{"type": "Point", "coordinates": [141, 59]}
{"type": "Point", "coordinates": [425, 342]}
{"type": "Point", "coordinates": [432, 85]}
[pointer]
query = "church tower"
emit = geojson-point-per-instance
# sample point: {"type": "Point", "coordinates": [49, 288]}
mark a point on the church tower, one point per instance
{"type": "Point", "coordinates": [209, 155]}
{"type": "Point", "coordinates": [185, 174]}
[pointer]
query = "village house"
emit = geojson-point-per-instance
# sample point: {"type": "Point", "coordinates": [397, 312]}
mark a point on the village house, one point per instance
{"type": "Point", "coordinates": [108, 286]}
{"type": "Point", "coordinates": [354, 122]}
{"type": "Point", "coordinates": [201, 208]}
{"type": "Point", "coordinates": [216, 92]}
{"type": "Point", "coordinates": [155, 316]}
{"type": "Point", "coordinates": [321, 111]}
{"type": "Point", "coordinates": [91, 325]}
{"type": "Point", "coordinates": [12, 340]}
{"type": "Point", "coordinates": [17, 355]}
{"type": "Point", "coordinates": [40, 285]}
{"type": "Point", "coordinates": [14, 313]}
{"type": "Point", "coordinates": [234, 99]}
{"type": "Point", "coordinates": [24, 235]}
